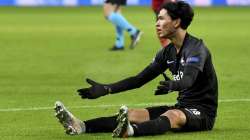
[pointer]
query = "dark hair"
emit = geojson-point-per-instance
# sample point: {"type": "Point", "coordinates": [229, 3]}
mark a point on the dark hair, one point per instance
{"type": "Point", "coordinates": [180, 9]}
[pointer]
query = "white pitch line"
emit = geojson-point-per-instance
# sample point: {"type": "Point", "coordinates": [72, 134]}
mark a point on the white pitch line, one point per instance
{"type": "Point", "coordinates": [110, 105]}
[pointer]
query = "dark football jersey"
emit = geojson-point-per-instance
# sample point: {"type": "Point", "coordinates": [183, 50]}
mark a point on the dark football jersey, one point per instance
{"type": "Point", "coordinates": [193, 55]}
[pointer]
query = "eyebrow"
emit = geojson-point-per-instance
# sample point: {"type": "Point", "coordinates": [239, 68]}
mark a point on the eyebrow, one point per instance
{"type": "Point", "coordinates": [159, 16]}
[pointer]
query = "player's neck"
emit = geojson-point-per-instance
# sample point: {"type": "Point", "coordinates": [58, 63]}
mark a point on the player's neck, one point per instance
{"type": "Point", "coordinates": [179, 39]}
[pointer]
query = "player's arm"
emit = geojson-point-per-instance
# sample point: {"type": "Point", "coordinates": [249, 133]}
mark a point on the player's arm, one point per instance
{"type": "Point", "coordinates": [154, 69]}
{"type": "Point", "coordinates": [148, 74]}
{"type": "Point", "coordinates": [96, 90]}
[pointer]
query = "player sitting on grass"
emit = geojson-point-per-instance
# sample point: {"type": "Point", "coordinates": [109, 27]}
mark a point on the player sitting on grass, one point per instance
{"type": "Point", "coordinates": [190, 63]}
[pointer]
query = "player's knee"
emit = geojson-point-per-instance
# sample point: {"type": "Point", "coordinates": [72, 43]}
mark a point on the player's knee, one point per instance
{"type": "Point", "coordinates": [132, 115]}
{"type": "Point", "coordinates": [177, 118]}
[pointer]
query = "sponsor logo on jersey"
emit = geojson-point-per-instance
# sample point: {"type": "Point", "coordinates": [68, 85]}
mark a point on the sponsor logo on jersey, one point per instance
{"type": "Point", "coordinates": [178, 76]}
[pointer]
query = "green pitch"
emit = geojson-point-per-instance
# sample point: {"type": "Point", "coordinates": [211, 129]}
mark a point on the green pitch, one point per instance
{"type": "Point", "coordinates": [46, 53]}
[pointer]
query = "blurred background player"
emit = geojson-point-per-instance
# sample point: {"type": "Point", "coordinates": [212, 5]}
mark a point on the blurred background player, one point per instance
{"type": "Point", "coordinates": [156, 5]}
{"type": "Point", "coordinates": [112, 12]}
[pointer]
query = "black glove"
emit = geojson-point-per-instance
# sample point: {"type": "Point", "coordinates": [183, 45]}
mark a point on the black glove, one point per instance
{"type": "Point", "coordinates": [163, 88]}
{"type": "Point", "coordinates": [96, 90]}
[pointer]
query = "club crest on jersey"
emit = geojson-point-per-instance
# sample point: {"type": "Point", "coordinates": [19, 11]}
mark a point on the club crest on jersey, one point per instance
{"type": "Point", "coordinates": [182, 61]}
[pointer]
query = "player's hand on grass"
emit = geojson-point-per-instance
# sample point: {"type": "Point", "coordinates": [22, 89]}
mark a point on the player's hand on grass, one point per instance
{"type": "Point", "coordinates": [96, 90]}
{"type": "Point", "coordinates": [163, 88]}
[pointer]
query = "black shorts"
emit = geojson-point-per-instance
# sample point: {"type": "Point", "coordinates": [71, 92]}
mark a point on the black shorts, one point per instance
{"type": "Point", "coordinates": [117, 2]}
{"type": "Point", "coordinates": [197, 119]}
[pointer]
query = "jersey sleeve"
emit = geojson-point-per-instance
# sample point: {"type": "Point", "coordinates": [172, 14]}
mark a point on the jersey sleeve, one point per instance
{"type": "Point", "coordinates": [150, 72]}
{"type": "Point", "coordinates": [143, 77]}
{"type": "Point", "coordinates": [197, 56]}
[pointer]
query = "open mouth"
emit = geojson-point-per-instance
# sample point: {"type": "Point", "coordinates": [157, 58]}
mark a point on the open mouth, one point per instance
{"type": "Point", "coordinates": [158, 31]}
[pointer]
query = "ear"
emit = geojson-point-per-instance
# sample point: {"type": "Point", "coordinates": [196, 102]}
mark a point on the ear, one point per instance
{"type": "Point", "coordinates": [177, 23]}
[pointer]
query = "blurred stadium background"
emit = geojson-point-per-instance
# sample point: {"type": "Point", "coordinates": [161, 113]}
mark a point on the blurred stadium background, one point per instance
{"type": "Point", "coordinates": [48, 48]}
{"type": "Point", "coordinates": [99, 2]}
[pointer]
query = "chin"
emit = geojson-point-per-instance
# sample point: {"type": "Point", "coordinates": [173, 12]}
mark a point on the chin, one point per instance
{"type": "Point", "coordinates": [164, 36]}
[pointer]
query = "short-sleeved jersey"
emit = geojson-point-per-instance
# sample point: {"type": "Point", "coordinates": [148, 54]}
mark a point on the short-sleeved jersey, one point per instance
{"type": "Point", "coordinates": [193, 53]}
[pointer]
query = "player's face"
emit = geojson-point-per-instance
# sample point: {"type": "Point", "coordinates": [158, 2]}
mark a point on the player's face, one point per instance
{"type": "Point", "coordinates": [165, 26]}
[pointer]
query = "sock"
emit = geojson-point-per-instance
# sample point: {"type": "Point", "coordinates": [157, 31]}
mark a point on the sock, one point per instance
{"type": "Point", "coordinates": [119, 43]}
{"type": "Point", "coordinates": [130, 130]}
{"type": "Point", "coordinates": [83, 127]}
{"type": "Point", "coordinates": [159, 125]}
{"type": "Point", "coordinates": [118, 20]}
{"type": "Point", "coordinates": [103, 124]}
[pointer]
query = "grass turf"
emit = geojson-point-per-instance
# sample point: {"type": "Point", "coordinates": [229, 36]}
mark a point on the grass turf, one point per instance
{"type": "Point", "coordinates": [46, 53]}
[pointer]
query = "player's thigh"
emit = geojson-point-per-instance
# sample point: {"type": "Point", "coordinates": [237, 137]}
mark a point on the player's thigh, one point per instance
{"type": "Point", "coordinates": [197, 120]}
{"type": "Point", "coordinates": [156, 111]}
{"type": "Point", "coordinates": [138, 115]}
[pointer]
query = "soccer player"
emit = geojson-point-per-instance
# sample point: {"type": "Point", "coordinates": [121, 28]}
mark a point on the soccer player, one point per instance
{"type": "Point", "coordinates": [194, 77]}
{"type": "Point", "coordinates": [112, 12]}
